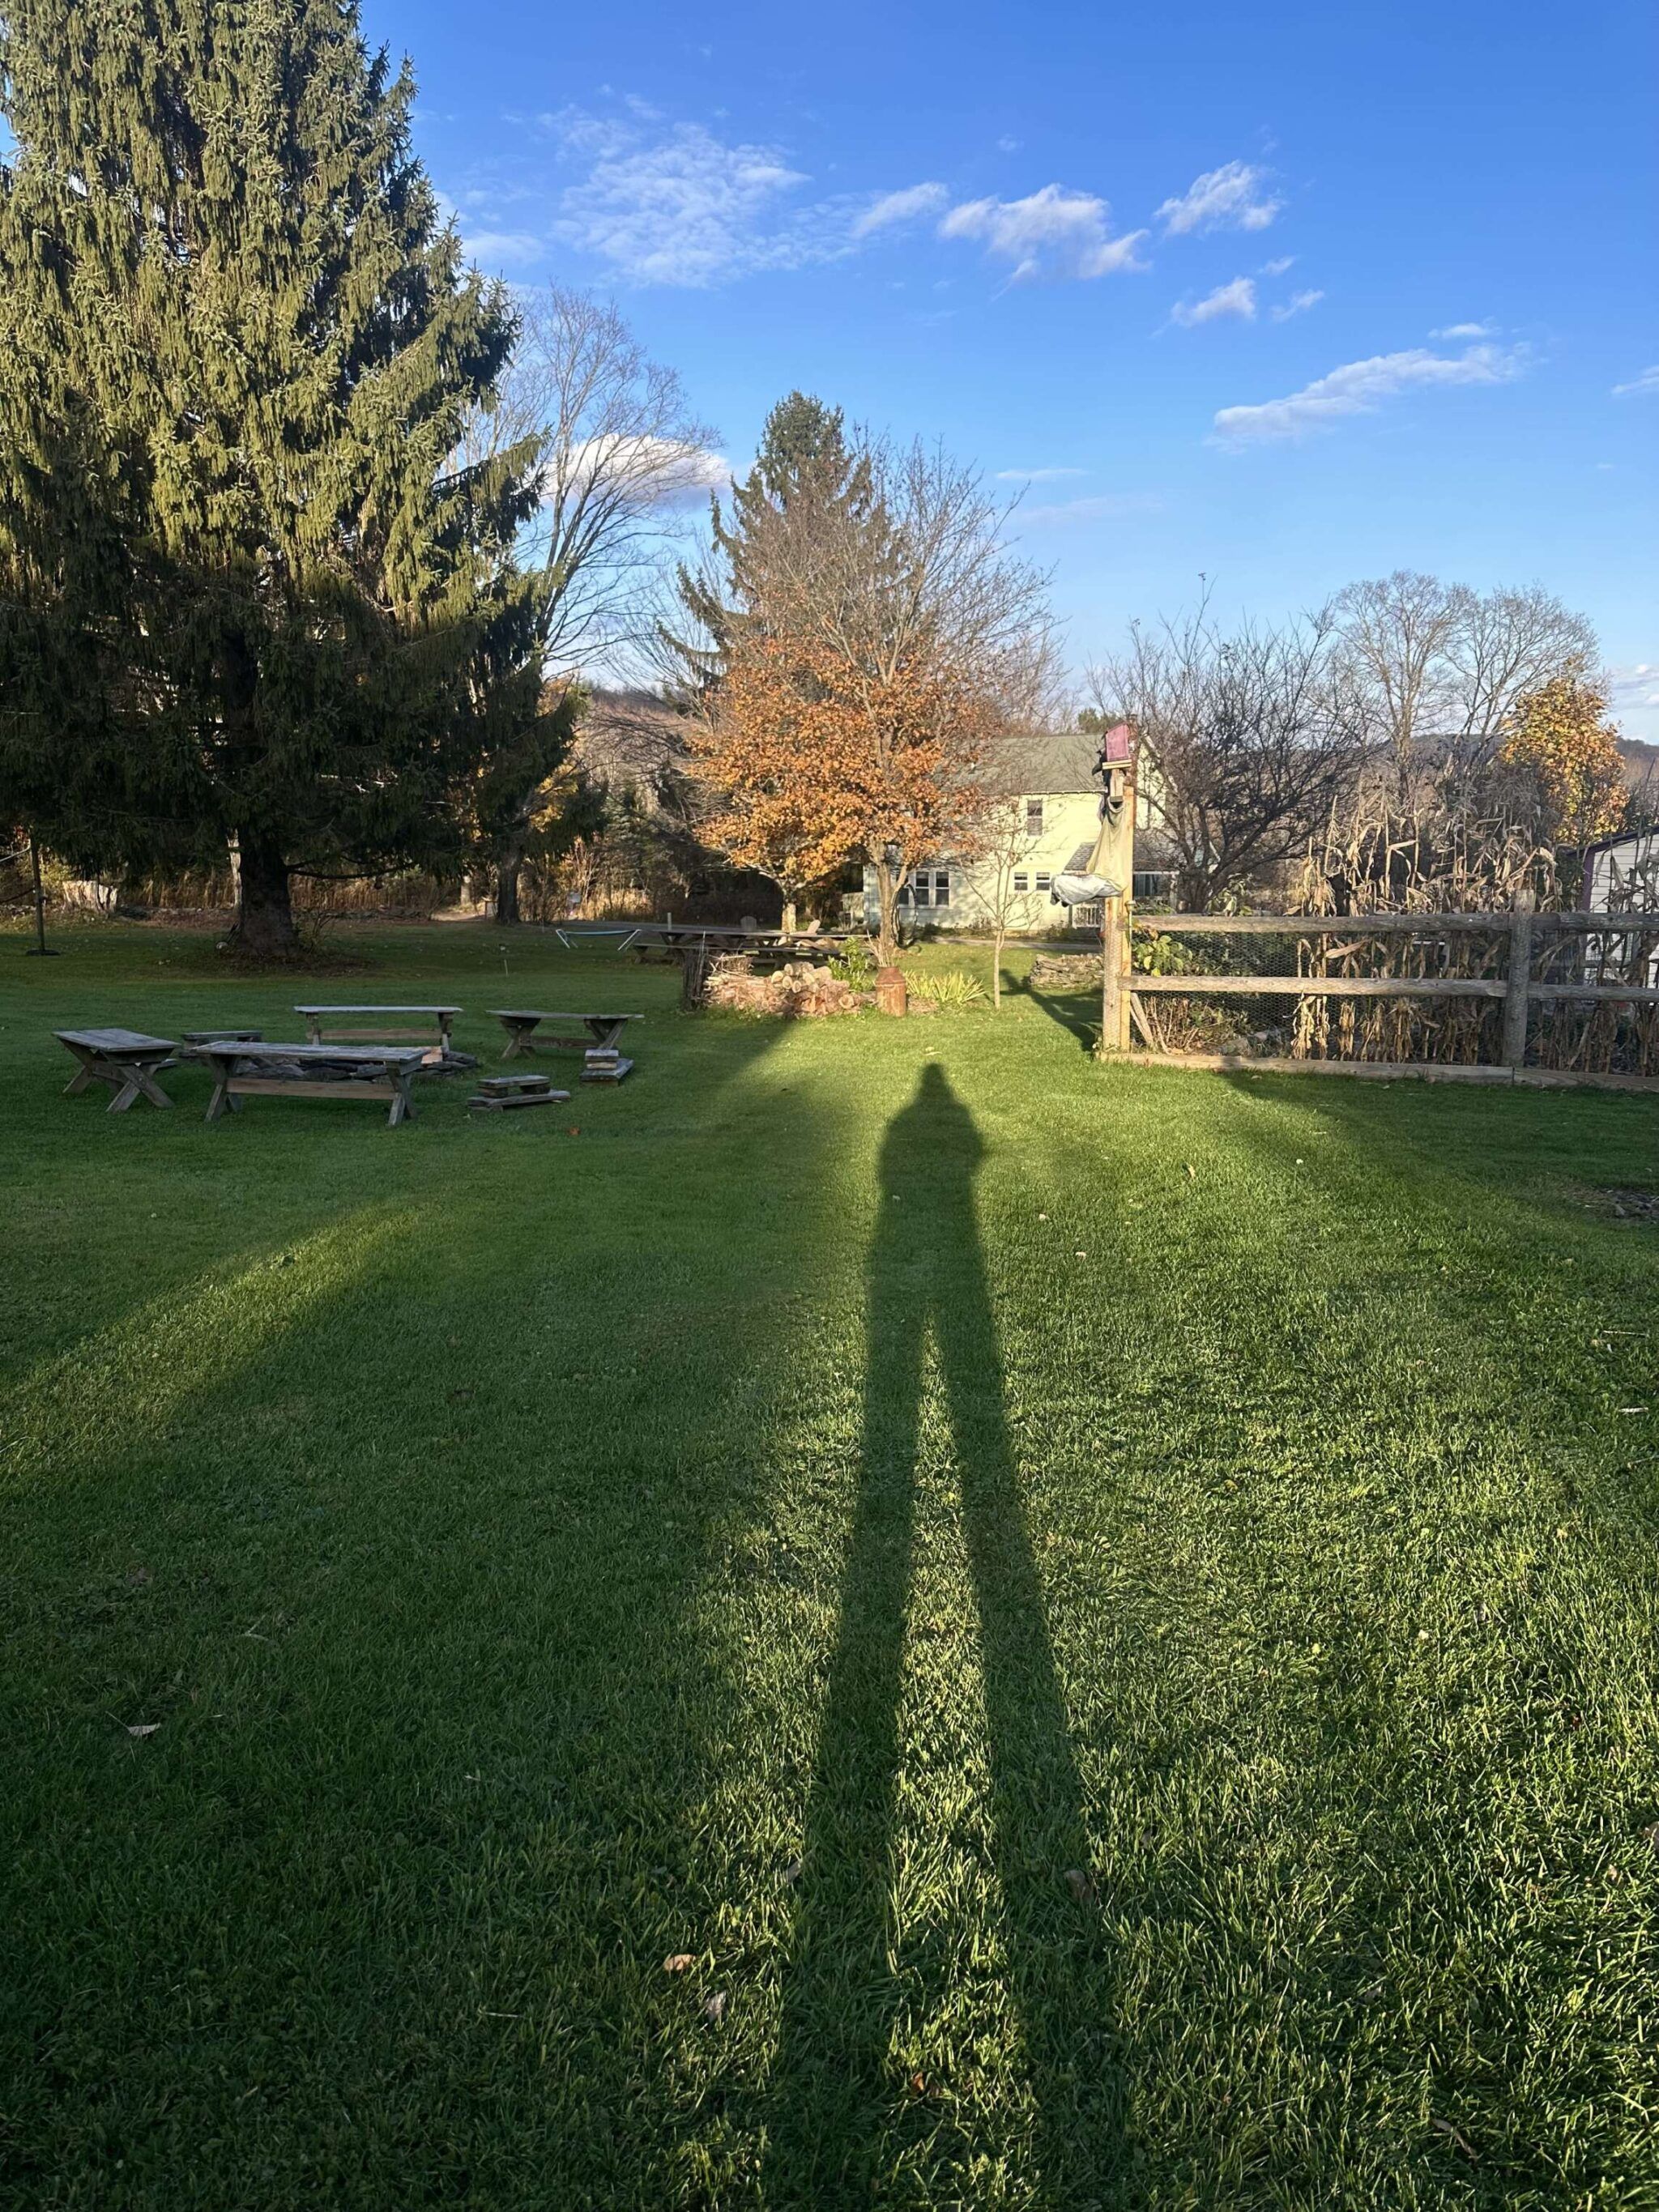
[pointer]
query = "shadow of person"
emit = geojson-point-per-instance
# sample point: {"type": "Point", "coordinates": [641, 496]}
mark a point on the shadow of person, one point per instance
{"type": "Point", "coordinates": [845, 2119]}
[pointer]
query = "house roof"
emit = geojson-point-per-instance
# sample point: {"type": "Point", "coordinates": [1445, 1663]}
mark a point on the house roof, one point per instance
{"type": "Point", "coordinates": [1031, 762]}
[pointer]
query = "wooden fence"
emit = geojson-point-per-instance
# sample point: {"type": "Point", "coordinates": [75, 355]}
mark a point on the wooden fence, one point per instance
{"type": "Point", "coordinates": [1514, 997]}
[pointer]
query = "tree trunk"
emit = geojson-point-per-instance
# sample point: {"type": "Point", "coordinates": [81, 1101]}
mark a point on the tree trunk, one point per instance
{"type": "Point", "coordinates": [265, 912]}
{"type": "Point", "coordinates": [887, 891]}
{"type": "Point", "coordinates": [997, 943]}
{"type": "Point", "coordinates": [789, 916]}
{"type": "Point", "coordinates": [508, 867]}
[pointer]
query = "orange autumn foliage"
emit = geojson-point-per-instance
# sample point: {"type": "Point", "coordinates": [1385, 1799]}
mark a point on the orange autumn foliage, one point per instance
{"type": "Point", "coordinates": [819, 762]}
{"type": "Point", "coordinates": [1560, 734]}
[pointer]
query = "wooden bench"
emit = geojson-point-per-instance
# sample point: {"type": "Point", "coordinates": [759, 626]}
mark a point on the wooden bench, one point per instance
{"type": "Point", "coordinates": [244, 1070]}
{"type": "Point", "coordinates": [524, 1033]}
{"type": "Point", "coordinates": [444, 1017]}
{"type": "Point", "coordinates": [126, 1059]}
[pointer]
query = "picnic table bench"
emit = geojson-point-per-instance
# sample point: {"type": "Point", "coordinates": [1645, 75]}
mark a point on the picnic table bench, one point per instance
{"type": "Point", "coordinates": [126, 1059]}
{"type": "Point", "coordinates": [524, 1035]}
{"type": "Point", "coordinates": [444, 1017]}
{"type": "Point", "coordinates": [244, 1069]}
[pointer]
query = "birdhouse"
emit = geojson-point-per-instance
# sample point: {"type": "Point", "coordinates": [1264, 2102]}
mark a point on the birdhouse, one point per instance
{"type": "Point", "coordinates": [1117, 753]}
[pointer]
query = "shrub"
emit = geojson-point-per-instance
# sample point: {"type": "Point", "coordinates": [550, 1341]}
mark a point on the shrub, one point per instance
{"type": "Point", "coordinates": [953, 993]}
{"type": "Point", "coordinates": [856, 964]}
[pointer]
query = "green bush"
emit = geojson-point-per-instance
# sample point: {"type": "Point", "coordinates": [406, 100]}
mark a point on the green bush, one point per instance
{"type": "Point", "coordinates": [856, 964]}
{"type": "Point", "coordinates": [952, 993]}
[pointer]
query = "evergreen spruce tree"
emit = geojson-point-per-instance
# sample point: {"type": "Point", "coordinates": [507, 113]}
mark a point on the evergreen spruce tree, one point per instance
{"type": "Point", "coordinates": [248, 593]}
{"type": "Point", "coordinates": [804, 462]}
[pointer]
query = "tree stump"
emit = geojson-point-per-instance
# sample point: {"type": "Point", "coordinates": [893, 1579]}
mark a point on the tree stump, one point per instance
{"type": "Point", "coordinates": [892, 994]}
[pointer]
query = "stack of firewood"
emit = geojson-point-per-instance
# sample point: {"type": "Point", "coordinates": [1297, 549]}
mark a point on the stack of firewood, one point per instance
{"type": "Point", "coordinates": [797, 988]}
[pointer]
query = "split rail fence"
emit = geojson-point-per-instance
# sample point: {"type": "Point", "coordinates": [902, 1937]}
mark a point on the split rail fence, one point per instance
{"type": "Point", "coordinates": [1514, 997]}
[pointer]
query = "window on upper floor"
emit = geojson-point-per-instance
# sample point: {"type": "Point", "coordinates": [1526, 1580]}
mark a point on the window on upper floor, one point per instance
{"type": "Point", "coordinates": [1045, 883]}
{"type": "Point", "coordinates": [1022, 881]}
{"type": "Point", "coordinates": [1034, 817]}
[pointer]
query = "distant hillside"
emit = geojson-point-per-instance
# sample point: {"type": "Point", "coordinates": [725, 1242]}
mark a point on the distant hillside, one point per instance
{"type": "Point", "coordinates": [1641, 762]}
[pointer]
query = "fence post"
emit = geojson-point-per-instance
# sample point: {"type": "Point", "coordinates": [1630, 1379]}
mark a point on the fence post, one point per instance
{"type": "Point", "coordinates": [1114, 962]}
{"type": "Point", "coordinates": [1520, 975]}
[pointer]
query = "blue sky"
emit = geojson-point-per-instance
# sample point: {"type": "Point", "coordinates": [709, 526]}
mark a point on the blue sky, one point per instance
{"type": "Point", "coordinates": [1280, 296]}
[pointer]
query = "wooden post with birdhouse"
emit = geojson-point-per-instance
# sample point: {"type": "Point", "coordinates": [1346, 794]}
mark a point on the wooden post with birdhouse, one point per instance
{"type": "Point", "coordinates": [1106, 879]}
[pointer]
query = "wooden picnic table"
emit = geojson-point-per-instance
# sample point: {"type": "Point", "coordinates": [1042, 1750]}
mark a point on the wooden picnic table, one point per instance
{"type": "Point", "coordinates": [315, 1016]}
{"type": "Point", "coordinates": [126, 1059]}
{"type": "Point", "coordinates": [242, 1070]}
{"type": "Point", "coordinates": [522, 1027]}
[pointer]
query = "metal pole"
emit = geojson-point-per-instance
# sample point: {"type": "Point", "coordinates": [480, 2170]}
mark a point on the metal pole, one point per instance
{"type": "Point", "coordinates": [39, 950]}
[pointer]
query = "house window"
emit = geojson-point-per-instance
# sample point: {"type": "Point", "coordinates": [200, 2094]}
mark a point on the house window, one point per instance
{"type": "Point", "coordinates": [1034, 817]}
{"type": "Point", "coordinates": [929, 887]}
{"type": "Point", "coordinates": [1022, 881]}
{"type": "Point", "coordinates": [1045, 883]}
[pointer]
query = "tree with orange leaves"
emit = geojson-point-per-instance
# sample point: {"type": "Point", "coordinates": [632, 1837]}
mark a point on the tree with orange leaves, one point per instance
{"type": "Point", "coordinates": [1559, 735]}
{"type": "Point", "coordinates": [869, 635]}
{"type": "Point", "coordinates": [819, 762]}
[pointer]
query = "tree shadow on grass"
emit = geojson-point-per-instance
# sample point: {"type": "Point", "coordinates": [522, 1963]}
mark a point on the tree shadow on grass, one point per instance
{"type": "Point", "coordinates": [411, 1555]}
{"type": "Point", "coordinates": [1076, 1012]}
{"type": "Point", "coordinates": [843, 2117]}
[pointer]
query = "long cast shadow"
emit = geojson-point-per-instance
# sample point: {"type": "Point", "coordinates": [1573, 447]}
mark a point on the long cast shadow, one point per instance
{"type": "Point", "coordinates": [843, 2117]}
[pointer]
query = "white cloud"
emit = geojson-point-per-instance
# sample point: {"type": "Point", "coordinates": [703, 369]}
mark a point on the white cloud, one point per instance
{"type": "Point", "coordinates": [900, 207]}
{"type": "Point", "coordinates": [1036, 476]}
{"type": "Point", "coordinates": [1237, 298]}
{"type": "Point", "coordinates": [1008, 145]}
{"type": "Point", "coordinates": [1278, 267]}
{"type": "Point", "coordinates": [690, 209]}
{"type": "Point", "coordinates": [1359, 387]}
{"type": "Point", "coordinates": [1646, 380]}
{"type": "Point", "coordinates": [1232, 197]}
{"type": "Point", "coordinates": [1297, 304]}
{"type": "Point", "coordinates": [1637, 685]}
{"type": "Point", "coordinates": [1099, 507]}
{"type": "Point", "coordinates": [501, 249]}
{"type": "Point", "coordinates": [668, 473]}
{"type": "Point", "coordinates": [1465, 331]}
{"type": "Point", "coordinates": [1050, 233]}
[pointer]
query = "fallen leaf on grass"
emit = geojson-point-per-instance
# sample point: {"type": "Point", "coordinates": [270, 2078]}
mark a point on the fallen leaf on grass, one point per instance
{"type": "Point", "coordinates": [1456, 2135]}
{"type": "Point", "coordinates": [140, 1575]}
{"type": "Point", "coordinates": [713, 2010]}
{"type": "Point", "coordinates": [678, 1962]}
{"type": "Point", "coordinates": [793, 1872]}
{"type": "Point", "coordinates": [1079, 1884]}
{"type": "Point", "coordinates": [573, 1133]}
{"type": "Point", "coordinates": [142, 1728]}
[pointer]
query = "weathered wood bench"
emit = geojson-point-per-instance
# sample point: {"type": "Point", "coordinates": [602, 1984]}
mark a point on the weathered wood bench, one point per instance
{"type": "Point", "coordinates": [244, 1070]}
{"type": "Point", "coordinates": [524, 1033]}
{"type": "Point", "coordinates": [501, 1094]}
{"type": "Point", "coordinates": [126, 1059]}
{"type": "Point", "coordinates": [314, 1017]}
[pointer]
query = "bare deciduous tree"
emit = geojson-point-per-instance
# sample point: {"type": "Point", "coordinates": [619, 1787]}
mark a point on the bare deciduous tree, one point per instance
{"type": "Point", "coordinates": [623, 460]}
{"type": "Point", "coordinates": [1245, 740]}
{"type": "Point", "coordinates": [1439, 667]}
{"type": "Point", "coordinates": [1006, 847]}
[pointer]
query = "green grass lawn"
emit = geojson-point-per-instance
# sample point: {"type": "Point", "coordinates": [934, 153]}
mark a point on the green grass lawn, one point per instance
{"type": "Point", "coordinates": [1108, 1615]}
